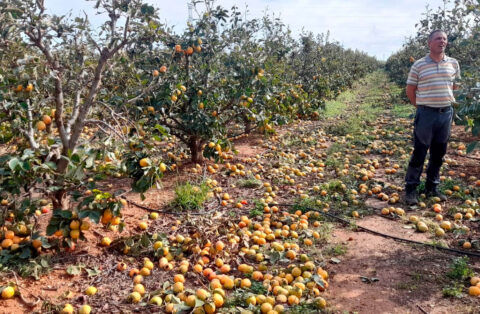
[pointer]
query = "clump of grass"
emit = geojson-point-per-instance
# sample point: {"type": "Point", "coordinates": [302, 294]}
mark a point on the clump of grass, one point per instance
{"type": "Point", "coordinates": [249, 183]}
{"type": "Point", "coordinates": [190, 196]}
{"type": "Point", "coordinates": [454, 291]}
{"type": "Point", "coordinates": [336, 250]}
{"type": "Point", "coordinates": [257, 209]}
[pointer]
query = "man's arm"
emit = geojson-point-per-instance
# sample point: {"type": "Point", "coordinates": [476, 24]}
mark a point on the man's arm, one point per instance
{"type": "Point", "coordinates": [412, 96]}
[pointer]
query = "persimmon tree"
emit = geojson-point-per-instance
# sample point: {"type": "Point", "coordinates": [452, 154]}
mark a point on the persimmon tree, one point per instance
{"type": "Point", "coordinates": [57, 83]}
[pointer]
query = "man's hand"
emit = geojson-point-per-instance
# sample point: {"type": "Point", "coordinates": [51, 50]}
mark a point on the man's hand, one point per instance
{"type": "Point", "coordinates": [412, 96]}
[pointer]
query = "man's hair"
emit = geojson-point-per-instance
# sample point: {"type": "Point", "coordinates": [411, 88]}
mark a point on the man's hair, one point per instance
{"type": "Point", "coordinates": [430, 36]}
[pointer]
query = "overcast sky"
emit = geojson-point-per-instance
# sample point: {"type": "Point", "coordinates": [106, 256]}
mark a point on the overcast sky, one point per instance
{"type": "Point", "coordinates": [377, 27]}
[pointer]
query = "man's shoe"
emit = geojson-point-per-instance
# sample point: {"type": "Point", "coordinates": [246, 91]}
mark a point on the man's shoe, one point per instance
{"type": "Point", "coordinates": [434, 192]}
{"type": "Point", "coordinates": [411, 197]}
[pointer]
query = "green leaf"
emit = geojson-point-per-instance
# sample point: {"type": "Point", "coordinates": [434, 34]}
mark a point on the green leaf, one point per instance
{"type": "Point", "coordinates": [64, 213]}
{"type": "Point", "coordinates": [145, 241]}
{"type": "Point", "coordinates": [74, 269]}
{"type": "Point", "coordinates": [44, 263]}
{"type": "Point", "coordinates": [92, 214]}
{"type": "Point", "coordinates": [471, 147]}
{"type": "Point", "coordinates": [93, 272]}
{"type": "Point", "coordinates": [75, 158]}
{"type": "Point", "coordinates": [51, 228]}
{"type": "Point", "coordinates": [318, 280]}
{"type": "Point", "coordinates": [26, 253]}
{"type": "Point", "coordinates": [13, 163]}
{"type": "Point", "coordinates": [199, 302]}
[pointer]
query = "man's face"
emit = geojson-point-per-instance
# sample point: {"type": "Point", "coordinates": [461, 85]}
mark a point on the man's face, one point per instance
{"type": "Point", "coordinates": [438, 43]}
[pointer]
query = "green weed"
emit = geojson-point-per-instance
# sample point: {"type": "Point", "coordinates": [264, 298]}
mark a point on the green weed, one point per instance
{"type": "Point", "coordinates": [459, 269]}
{"type": "Point", "coordinates": [189, 196]}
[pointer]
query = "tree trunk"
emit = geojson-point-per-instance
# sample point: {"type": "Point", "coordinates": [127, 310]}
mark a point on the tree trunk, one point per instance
{"type": "Point", "coordinates": [248, 125]}
{"type": "Point", "coordinates": [59, 199]}
{"type": "Point", "coordinates": [195, 146]}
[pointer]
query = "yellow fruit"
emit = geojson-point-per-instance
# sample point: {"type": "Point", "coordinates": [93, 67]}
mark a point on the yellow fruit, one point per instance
{"type": "Point", "coordinates": [245, 283]}
{"type": "Point", "coordinates": [137, 279]}
{"type": "Point", "coordinates": [139, 288]}
{"type": "Point", "coordinates": [4, 202]}
{"type": "Point", "coordinates": [74, 234]}
{"type": "Point", "coordinates": [266, 307]}
{"type": "Point", "coordinates": [74, 225]}
{"type": "Point", "coordinates": [85, 309]}
{"type": "Point", "coordinates": [121, 266]}
{"type": "Point", "coordinates": [209, 308]}
{"type": "Point", "coordinates": [91, 291]}
{"type": "Point", "coordinates": [145, 271]}
{"type": "Point", "coordinates": [320, 303]}
{"type": "Point", "coordinates": [179, 278]}
{"type": "Point", "coordinates": [36, 243]}
{"type": "Point", "coordinates": [293, 300]}
{"type": "Point", "coordinates": [474, 291]}
{"type": "Point", "coordinates": [41, 126]}
{"type": "Point", "coordinates": [8, 292]}
{"type": "Point", "coordinates": [218, 300]}
{"type": "Point", "coordinates": [157, 300]}
{"type": "Point", "coordinates": [178, 287]}
{"type": "Point", "coordinates": [422, 227]}
{"type": "Point", "coordinates": [474, 281]}
{"type": "Point", "coordinates": [279, 308]}
{"type": "Point", "coordinates": [251, 300]}
{"type": "Point", "coordinates": [446, 225]}
{"type": "Point", "coordinates": [47, 120]}
{"type": "Point", "coordinates": [67, 309]}
{"type": "Point", "coordinates": [85, 225]}
{"type": "Point", "coordinates": [135, 297]}
{"type": "Point", "coordinates": [148, 264]}
{"type": "Point", "coordinates": [157, 245]}
{"type": "Point", "coordinates": [191, 300]}
{"type": "Point", "coordinates": [202, 294]}
{"type": "Point", "coordinates": [162, 167]}
{"type": "Point", "coordinates": [29, 88]}
{"type": "Point", "coordinates": [106, 241]}
{"type": "Point", "coordinates": [144, 162]}
{"type": "Point", "coordinates": [143, 225]}
{"type": "Point", "coordinates": [439, 232]}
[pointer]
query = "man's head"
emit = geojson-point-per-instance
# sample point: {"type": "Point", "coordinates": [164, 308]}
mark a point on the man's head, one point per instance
{"type": "Point", "coordinates": [437, 41]}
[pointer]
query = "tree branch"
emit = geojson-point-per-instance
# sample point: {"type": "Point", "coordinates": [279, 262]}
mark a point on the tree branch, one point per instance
{"type": "Point", "coordinates": [100, 122]}
{"type": "Point", "coordinates": [76, 107]}
{"type": "Point", "coordinates": [30, 134]}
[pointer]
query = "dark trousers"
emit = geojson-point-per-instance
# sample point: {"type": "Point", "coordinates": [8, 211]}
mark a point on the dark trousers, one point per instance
{"type": "Point", "coordinates": [431, 132]}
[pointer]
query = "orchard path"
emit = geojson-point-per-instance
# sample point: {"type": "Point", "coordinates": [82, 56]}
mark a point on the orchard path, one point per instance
{"type": "Point", "coordinates": [410, 277]}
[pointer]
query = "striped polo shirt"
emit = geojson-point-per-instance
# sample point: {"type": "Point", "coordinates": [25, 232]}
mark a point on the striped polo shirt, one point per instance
{"type": "Point", "coordinates": [434, 81]}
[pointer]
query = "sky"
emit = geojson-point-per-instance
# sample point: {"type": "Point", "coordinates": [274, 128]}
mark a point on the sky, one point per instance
{"type": "Point", "coordinates": [377, 27]}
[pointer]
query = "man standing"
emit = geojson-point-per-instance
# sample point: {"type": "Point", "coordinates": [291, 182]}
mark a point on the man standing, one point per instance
{"type": "Point", "coordinates": [430, 86]}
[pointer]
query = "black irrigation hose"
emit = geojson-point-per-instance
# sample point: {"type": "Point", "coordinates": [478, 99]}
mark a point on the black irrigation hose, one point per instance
{"type": "Point", "coordinates": [385, 235]}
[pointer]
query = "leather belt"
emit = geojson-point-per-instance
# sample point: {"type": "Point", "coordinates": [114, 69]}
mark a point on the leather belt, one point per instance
{"type": "Point", "coordinates": [440, 109]}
